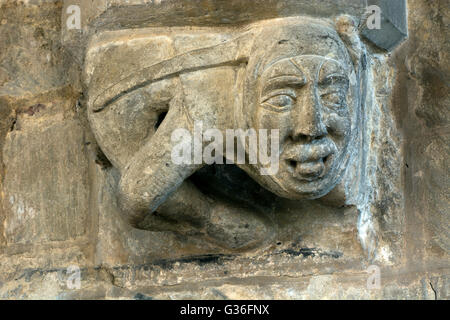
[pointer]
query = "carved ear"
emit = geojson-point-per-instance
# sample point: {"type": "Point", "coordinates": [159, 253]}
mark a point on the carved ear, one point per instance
{"type": "Point", "coordinates": [347, 29]}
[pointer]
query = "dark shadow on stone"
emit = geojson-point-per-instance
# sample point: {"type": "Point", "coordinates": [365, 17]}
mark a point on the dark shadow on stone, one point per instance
{"type": "Point", "coordinates": [230, 183]}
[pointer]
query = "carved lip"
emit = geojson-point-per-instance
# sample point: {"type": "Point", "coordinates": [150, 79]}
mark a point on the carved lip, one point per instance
{"type": "Point", "coordinates": [311, 161]}
{"type": "Point", "coordinates": [308, 170]}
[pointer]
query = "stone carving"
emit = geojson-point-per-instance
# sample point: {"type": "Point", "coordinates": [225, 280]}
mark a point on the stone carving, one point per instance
{"type": "Point", "coordinates": [227, 231]}
{"type": "Point", "coordinates": [301, 76]}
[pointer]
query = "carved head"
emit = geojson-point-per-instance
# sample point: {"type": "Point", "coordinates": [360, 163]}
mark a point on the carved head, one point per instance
{"type": "Point", "coordinates": [301, 80]}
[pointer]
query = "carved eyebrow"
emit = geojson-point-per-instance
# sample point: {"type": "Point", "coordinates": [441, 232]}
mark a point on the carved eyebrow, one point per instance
{"type": "Point", "coordinates": [281, 82]}
{"type": "Point", "coordinates": [334, 78]}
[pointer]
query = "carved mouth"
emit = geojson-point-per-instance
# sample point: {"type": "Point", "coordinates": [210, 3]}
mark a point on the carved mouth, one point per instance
{"type": "Point", "coordinates": [309, 162]}
{"type": "Point", "coordinates": [309, 170]}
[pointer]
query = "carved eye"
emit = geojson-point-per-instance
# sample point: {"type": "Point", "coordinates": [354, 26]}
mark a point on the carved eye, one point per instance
{"type": "Point", "coordinates": [279, 102]}
{"type": "Point", "coordinates": [333, 99]}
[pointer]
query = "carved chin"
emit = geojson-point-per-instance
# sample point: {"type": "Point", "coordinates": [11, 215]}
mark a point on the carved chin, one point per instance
{"type": "Point", "coordinates": [316, 188]}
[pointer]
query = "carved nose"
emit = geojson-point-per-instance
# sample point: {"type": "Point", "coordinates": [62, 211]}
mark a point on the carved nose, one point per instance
{"type": "Point", "coordinates": [308, 122]}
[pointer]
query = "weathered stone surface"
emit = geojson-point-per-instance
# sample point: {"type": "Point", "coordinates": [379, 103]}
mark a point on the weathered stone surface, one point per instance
{"type": "Point", "coordinates": [45, 184]}
{"type": "Point", "coordinates": [81, 109]}
{"type": "Point", "coordinates": [422, 97]}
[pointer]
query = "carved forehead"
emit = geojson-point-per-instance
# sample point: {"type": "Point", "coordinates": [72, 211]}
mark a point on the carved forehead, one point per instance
{"type": "Point", "coordinates": [303, 66]}
{"type": "Point", "coordinates": [295, 38]}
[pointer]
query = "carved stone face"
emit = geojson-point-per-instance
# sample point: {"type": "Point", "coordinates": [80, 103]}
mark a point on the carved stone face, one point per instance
{"type": "Point", "coordinates": [305, 91]}
{"type": "Point", "coordinates": [294, 75]}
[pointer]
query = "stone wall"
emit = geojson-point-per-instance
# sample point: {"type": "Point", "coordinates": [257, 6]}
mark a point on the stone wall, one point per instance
{"type": "Point", "coordinates": [58, 183]}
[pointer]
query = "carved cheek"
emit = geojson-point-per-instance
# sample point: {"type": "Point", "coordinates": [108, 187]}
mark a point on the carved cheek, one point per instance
{"type": "Point", "coordinates": [275, 120]}
{"type": "Point", "coordinates": [338, 125]}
